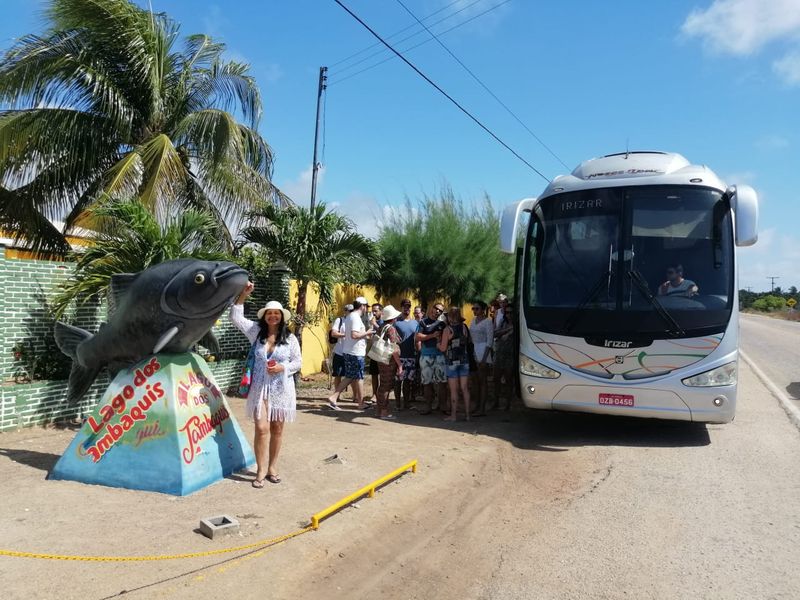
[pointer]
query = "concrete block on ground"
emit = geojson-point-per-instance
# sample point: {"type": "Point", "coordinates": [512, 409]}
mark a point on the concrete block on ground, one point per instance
{"type": "Point", "coordinates": [213, 527]}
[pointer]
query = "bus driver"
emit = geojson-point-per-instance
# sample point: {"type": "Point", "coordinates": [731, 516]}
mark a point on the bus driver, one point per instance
{"type": "Point", "coordinates": [676, 285]}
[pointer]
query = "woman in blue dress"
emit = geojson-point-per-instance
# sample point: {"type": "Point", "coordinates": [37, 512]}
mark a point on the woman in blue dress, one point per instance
{"type": "Point", "coordinates": [271, 400]}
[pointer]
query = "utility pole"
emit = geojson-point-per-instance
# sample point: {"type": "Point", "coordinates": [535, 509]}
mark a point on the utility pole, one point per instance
{"type": "Point", "coordinates": [772, 283]}
{"type": "Point", "coordinates": [749, 288]}
{"type": "Point", "coordinates": [314, 164]}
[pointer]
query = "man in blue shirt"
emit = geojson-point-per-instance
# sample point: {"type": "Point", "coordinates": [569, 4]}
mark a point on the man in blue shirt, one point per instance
{"type": "Point", "coordinates": [406, 326]}
{"type": "Point", "coordinates": [431, 360]}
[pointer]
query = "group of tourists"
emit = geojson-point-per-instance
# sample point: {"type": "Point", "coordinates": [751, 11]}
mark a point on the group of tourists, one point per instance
{"type": "Point", "coordinates": [435, 353]}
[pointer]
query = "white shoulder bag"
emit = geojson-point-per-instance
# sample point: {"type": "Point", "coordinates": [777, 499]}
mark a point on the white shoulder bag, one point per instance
{"type": "Point", "coordinates": [382, 349]}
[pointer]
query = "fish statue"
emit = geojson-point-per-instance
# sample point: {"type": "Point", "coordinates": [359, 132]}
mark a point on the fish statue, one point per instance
{"type": "Point", "coordinates": [168, 307]}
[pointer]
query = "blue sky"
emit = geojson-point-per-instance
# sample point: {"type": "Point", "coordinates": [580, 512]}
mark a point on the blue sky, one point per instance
{"type": "Point", "coordinates": [715, 80]}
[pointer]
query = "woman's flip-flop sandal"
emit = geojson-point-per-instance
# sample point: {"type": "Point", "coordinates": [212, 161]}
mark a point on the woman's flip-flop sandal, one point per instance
{"type": "Point", "coordinates": [273, 478]}
{"type": "Point", "coordinates": [258, 483]}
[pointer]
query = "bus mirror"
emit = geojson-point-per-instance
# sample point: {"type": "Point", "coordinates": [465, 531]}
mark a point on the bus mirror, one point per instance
{"type": "Point", "coordinates": [509, 223]}
{"type": "Point", "coordinates": [744, 202]}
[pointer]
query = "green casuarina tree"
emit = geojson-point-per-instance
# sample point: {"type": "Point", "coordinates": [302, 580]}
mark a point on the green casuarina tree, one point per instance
{"type": "Point", "coordinates": [319, 247]}
{"type": "Point", "coordinates": [105, 103]}
{"type": "Point", "coordinates": [133, 240]}
{"type": "Point", "coordinates": [441, 249]}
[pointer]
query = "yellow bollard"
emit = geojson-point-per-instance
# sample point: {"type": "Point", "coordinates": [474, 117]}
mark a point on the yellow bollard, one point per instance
{"type": "Point", "coordinates": [368, 490]}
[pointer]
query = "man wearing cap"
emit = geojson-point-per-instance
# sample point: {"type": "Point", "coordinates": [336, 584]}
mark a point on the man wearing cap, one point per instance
{"type": "Point", "coordinates": [407, 327]}
{"type": "Point", "coordinates": [355, 349]}
{"type": "Point", "coordinates": [337, 333]}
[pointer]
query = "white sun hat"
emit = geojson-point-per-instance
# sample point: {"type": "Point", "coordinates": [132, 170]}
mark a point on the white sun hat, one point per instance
{"type": "Point", "coordinates": [389, 312]}
{"type": "Point", "coordinates": [362, 301]}
{"type": "Point", "coordinates": [275, 305]}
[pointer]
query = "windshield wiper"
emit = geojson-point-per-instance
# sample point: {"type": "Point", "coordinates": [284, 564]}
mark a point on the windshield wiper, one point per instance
{"type": "Point", "coordinates": [573, 317]}
{"type": "Point", "coordinates": [641, 285]}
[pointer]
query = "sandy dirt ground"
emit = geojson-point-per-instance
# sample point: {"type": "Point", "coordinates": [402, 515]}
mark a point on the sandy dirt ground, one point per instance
{"type": "Point", "coordinates": [462, 468]}
{"type": "Point", "coordinates": [518, 504]}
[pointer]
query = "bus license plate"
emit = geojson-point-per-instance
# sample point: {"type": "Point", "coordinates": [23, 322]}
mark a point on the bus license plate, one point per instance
{"type": "Point", "coordinates": [616, 399]}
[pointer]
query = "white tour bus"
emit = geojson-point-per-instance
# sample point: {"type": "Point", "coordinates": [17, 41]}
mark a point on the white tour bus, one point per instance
{"type": "Point", "coordinates": [626, 299]}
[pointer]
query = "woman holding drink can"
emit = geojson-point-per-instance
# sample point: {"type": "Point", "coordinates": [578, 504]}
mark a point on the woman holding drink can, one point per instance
{"type": "Point", "coordinates": [271, 400]}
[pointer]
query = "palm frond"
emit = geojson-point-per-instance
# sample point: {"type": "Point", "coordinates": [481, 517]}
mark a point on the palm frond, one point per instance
{"type": "Point", "coordinates": [164, 175]}
{"type": "Point", "coordinates": [20, 218]}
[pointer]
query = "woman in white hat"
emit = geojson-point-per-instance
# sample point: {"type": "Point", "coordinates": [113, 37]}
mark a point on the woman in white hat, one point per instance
{"type": "Point", "coordinates": [271, 400]}
{"type": "Point", "coordinates": [388, 373]}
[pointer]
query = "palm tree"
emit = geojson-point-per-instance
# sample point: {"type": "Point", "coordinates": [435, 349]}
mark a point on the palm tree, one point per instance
{"type": "Point", "coordinates": [319, 247]}
{"type": "Point", "coordinates": [104, 104]}
{"type": "Point", "coordinates": [133, 240]}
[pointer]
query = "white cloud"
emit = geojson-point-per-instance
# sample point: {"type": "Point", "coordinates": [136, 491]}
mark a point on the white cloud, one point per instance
{"type": "Point", "coordinates": [774, 254]}
{"type": "Point", "coordinates": [299, 188]}
{"type": "Point", "coordinates": [772, 142]}
{"type": "Point", "coordinates": [363, 210]}
{"type": "Point", "coordinates": [741, 27]}
{"type": "Point", "coordinates": [788, 68]}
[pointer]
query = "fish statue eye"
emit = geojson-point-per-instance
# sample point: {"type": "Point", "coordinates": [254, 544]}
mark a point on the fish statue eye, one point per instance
{"type": "Point", "coordinates": [199, 278]}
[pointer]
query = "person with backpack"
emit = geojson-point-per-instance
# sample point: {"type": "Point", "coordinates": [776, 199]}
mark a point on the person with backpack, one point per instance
{"type": "Point", "coordinates": [455, 343]}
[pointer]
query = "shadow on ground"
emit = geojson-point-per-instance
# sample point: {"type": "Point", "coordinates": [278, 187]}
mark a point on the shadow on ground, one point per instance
{"type": "Point", "coordinates": [546, 431]}
{"type": "Point", "coordinates": [793, 389]}
{"type": "Point", "coordinates": [43, 461]}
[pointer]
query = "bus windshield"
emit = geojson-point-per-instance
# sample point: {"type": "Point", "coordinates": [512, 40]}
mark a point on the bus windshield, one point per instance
{"type": "Point", "coordinates": [647, 261]}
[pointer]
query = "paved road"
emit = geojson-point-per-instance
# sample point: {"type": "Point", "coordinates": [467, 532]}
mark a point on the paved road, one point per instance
{"type": "Point", "coordinates": [774, 345]}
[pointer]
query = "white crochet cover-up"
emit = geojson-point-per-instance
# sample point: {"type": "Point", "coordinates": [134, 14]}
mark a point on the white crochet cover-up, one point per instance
{"type": "Point", "coordinates": [275, 391]}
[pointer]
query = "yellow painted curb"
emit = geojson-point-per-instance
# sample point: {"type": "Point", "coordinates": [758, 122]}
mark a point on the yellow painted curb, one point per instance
{"type": "Point", "coordinates": [367, 490]}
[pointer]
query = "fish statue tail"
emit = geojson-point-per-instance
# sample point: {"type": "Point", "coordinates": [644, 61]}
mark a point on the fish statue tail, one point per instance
{"type": "Point", "coordinates": [81, 378]}
{"type": "Point", "coordinates": [68, 337]}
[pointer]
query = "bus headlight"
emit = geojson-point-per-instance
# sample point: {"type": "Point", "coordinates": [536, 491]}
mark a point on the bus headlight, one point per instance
{"type": "Point", "coordinates": [724, 375]}
{"type": "Point", "coordinates": [528, 366]}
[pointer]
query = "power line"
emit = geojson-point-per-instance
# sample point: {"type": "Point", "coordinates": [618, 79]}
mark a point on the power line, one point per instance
{"type": "Point", "coordinates": [399, 31]}
{"type": "Point", "coordinates": [441, 91]}
{"type": "Point", "coordinates": [483, 85]}
{"type": "Point", "coordinates": [422, 43]}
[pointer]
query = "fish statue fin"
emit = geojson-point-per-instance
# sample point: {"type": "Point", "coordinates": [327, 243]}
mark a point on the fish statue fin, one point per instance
{"type": "Point", "coordinates": [80, 380]}
{"type": "Point", "coordinates": [209, 341]}
{"type": "Point", "coordinates": [68, 337]}
{"type": "Point", "coordinates": [120, 282]}
{"type": "Point", "coordinates": [165, 338]}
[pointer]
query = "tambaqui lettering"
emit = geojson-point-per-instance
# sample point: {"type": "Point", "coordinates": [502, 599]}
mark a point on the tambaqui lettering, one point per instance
{"type": "Point", "coordinates": [197, 428]}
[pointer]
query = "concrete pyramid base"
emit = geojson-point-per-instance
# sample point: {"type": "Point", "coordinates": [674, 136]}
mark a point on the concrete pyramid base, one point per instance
{"type": "Point", "coordinates": [163, 426]}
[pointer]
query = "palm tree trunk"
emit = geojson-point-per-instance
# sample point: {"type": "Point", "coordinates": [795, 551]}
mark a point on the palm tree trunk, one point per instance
{"type": "Point", "coordinates": [302, 292]}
